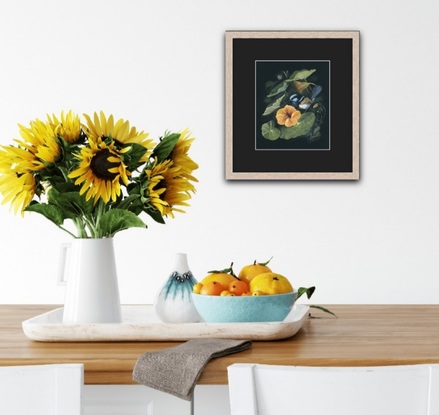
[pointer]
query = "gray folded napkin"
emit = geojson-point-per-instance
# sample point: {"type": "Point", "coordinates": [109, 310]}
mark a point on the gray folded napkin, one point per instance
{"type": "Point", "coordinates": [175, 370]}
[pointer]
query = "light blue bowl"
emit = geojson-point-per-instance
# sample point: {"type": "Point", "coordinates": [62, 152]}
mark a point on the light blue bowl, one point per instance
{"type": "Point", "coordinates": [218, 309]}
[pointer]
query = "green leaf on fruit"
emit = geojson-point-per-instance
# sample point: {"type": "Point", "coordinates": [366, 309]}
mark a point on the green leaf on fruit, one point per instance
{"type": "Point", "coordinates": [318, 307]}
{"type": "Point", "coordinates": [264, 263]}
{"type": "Point", "coordinates": [308, 291]}
{"type": "Point", "coordinates": [224, 271]}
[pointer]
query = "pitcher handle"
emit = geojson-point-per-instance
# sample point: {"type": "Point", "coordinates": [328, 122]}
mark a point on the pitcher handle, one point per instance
{"type": "Point", "coordinates": [63, 260]}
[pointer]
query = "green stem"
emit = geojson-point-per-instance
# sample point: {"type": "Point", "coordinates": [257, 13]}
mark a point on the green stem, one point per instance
{"type": "Point", "coordinates": [80, 227]}
{"type": "Point", "coordinates": [91, 225]}
{"type": "Point", "coordinates": [64, 174]}
{"type": "Point", "coordinates": [93, 221]}
{"type": "Point", "coordinates": [66, 230]}
{"type": "Point", "coordinates": [100, 211]}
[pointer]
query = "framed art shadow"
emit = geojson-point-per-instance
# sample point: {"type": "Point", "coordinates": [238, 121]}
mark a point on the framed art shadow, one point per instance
{"type": "Point", "coordinates": [292, 105]}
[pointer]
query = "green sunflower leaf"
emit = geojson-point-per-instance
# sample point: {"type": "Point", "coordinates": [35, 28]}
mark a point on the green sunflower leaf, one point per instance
{"type": "Point", "coordinates": [130, 202]}
{"type": "Point", "coordinates": [53, 213]}
{"type": "Point", "coordinates": [269, 131]}
{"type": "Point", "coordinates": [155, 214]}
{"type": "Point", "coordinates": [71, 203]}
{"type": "Point", "coordinates": [165, 147]}
{"type": "Point", "coordinates": [302, 128]}
{"type": "Point", "coordinates": [132, 157]}
{"type": "Point", "coordinates": [116, 220]}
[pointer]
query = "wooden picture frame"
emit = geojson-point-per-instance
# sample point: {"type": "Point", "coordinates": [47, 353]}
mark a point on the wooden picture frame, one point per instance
{"type": "Point", "coordinates": [292, 105]}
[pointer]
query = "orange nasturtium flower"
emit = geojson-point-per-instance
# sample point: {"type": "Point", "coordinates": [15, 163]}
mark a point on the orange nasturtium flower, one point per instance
{"type": "Point", "coordinates": [288, 116]}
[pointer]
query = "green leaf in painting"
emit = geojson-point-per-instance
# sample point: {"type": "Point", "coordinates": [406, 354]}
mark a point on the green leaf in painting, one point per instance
{"type": "Point", "coordinates": [303, 127]}
{"type": "Point", "coordinates": [301, 75]}
{"type": "Point", "coordinates": [116, 220]}
{"type": "Point", "coordinates": [278, 89]}
{"type": "Point", "coordinates": [269, 131]}
{"type": "Point", "coordinates": [274, 105]}
{"type": "Point", "coordinates": [301, 86]}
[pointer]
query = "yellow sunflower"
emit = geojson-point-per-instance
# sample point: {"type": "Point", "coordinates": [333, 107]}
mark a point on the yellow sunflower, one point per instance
{"type": "Point", "coordinates": [101, 171]}
{"type": "Point", "coordinates": [181, 158]}
{"type": "Point", "coordinates": [37, 148]}
{"type": "Point", "coordinates": [17, 182]}
{"type": "Point", "coordinates": [18, 190]}
{"type": "Point", "coordinates": [68, 126]}
{"type": "Point", "coordinates": [18, 160]}
{"type": "Point", "coordinates": [101, 127]}
{"type": "Point", "coordinates": [39, 140]}
{"type": "Point", "coordinates": [167, 188]}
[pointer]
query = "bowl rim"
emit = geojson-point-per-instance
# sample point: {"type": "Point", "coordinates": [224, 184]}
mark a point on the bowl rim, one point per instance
{"type": "Point", "coordinates": [245, 296]}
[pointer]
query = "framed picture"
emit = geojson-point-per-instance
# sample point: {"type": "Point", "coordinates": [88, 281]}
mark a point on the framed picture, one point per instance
{"type": "Point", "coordinates": [292, 105]}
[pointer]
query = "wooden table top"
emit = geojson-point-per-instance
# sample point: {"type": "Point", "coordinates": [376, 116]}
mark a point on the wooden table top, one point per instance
{"type": "Point", "coordinates": [362, 335]}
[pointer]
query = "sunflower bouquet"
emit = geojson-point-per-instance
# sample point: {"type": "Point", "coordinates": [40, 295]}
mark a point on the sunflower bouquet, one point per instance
{"type": "Point", "coordinates": [98, 173]}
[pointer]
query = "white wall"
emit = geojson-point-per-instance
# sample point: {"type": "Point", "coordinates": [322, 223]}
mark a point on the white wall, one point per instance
{"type": "Point", "coordinates": [160, 64]}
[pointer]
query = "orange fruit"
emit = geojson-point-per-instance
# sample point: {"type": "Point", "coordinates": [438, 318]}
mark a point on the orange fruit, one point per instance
{"type": "Point", "coordinates": [227, 293]}
{"type": "Point", "coordinates": [248, 272]}
{"type": "Point", "coordinates": [197, 288]}
{"type": "Point", "coordinates": [221, 277]}
{"type": "Point", "coordinates": [270, 283]}
{"type": "Point", "coordinates": [212, 288]}
{"type": "Point", "coordinates": [238, 287]}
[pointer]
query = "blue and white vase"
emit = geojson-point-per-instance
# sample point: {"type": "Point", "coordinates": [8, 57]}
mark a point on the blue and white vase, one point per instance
{"type": "Point", "coordinates": [173, 303]}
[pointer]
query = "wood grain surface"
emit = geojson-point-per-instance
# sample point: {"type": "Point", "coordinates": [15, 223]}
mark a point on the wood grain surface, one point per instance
{"type": "Point", "coordinates": [362, 335]}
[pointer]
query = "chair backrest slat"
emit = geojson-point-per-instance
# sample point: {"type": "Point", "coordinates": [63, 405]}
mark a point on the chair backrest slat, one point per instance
{"type": "Point", "coordinates": [385, 390]}
{"type": "Point", "coordinates": [41, 389]}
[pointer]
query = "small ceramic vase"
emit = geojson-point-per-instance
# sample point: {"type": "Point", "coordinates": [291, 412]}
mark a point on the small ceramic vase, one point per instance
{"type": "Point", "coordinates": [173, 303]}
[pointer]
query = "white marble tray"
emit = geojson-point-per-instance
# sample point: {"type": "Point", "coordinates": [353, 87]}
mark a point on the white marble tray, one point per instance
{"type": "Point", "coordinates": [139, 323]}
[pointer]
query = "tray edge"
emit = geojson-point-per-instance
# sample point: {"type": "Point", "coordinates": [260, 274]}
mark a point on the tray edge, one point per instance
{"type": "Point", "coordinates": [278, 330]}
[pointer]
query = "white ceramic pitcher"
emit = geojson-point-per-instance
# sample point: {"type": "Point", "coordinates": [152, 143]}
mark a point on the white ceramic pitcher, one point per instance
{"type": "Point", "coordinates": [88, 268]}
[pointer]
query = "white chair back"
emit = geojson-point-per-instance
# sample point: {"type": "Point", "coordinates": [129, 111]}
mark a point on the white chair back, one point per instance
{"type": "Point", "coordinates": [386, 390]}
{"type": "Point", "coordinates": [41, 389]}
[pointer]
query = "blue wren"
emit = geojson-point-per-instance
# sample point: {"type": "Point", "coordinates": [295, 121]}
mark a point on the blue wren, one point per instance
{"type": "Point", "coordinates": [303, 102]}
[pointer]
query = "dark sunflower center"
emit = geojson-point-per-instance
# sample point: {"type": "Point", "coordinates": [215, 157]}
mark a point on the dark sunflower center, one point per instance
{"type": "Point", "coordinates": [160, 185]}
{"type": "Point", "coordinates": [100, 165]}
